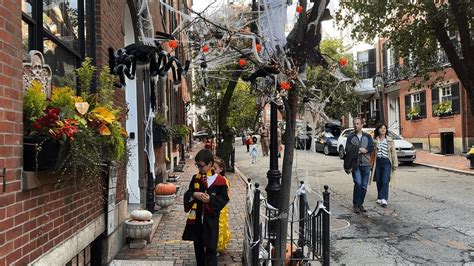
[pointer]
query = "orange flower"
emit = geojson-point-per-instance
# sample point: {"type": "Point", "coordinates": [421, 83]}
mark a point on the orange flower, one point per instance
{"type": "Point", "coordinates": [285, 85]}
{"type": "Point", "coordinates": [173, 44]}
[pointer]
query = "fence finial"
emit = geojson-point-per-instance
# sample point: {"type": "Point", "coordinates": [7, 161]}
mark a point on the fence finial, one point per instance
{"type": "Point", "coordinates": [326, 187]}
{"type": "Point", "coordinates": [257, 185]}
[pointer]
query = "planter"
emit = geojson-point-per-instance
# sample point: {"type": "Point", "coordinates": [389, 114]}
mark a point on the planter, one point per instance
{"type": "Point", "coordinates": [446, 114]}
{"type": "Point", "coordinates": [139, 231]}
{"type": "Point", "coordinates": [40, 153]}
{"type": "Point", "coordinates": [164, 201]}
{"type": "Point", "coordinates": [160, 133]}
{"type": "Point", "coordinates": [178, 140]}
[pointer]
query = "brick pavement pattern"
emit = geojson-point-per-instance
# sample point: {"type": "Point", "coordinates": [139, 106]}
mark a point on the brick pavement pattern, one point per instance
{"type": "Point", "coordinates": [167, 245]}
{"type": "Point", "coordinates": [454, 162]}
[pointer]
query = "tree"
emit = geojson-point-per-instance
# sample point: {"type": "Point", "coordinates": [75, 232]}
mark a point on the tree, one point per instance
{"type": "Point", "coordinates": [327, 97]}
{"type": "Point", "coordinates": [416, 28]}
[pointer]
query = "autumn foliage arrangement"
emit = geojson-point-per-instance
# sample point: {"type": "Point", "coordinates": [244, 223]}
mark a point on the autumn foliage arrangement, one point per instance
{"type": "Point", "coordinates": [87, 127]}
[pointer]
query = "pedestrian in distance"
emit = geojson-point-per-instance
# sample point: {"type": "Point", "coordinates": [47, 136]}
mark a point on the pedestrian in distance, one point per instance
{"type": "Point", "coordinates": [254, 153]}
{"type": "Point", "coordinates": [248, 142]}
{"type": "Point", "coordinates": [205, 198]}
{"type": "Point", "coordinates": [385, 164]}
{"type": "Point", "coordinates": [264, 134]}
{"type": "Point", "coordinates": [359, 146]}
{"type": "Point", "coordinates": [224, 231]}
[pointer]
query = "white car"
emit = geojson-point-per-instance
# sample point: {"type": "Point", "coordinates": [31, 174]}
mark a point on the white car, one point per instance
{"type": "Point", "coordinates": [405, 150]}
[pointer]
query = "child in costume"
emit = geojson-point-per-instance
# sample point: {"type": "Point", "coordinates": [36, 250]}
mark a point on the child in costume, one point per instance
{"type": "Point", "coordinates": [254, 153]}
{"type": "Point", "coordinates": [224, 232]}
{"type": "Point", "coordinates": [204, 200]}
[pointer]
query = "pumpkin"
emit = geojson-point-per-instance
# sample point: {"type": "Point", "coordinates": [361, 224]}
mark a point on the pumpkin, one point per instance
{"type": "Point", "coordinates": [140, 215]}
{"type": "Point", "coordinates": [165, 189]}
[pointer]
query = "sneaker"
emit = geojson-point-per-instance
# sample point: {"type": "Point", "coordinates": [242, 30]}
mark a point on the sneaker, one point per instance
{"type": "Point", "coordinates": [356, 209]}
{"type": "Point", "coordinates": [378, 201]}
{"type": "Point", "coordinates": [362, 209]}
{"type": "Point", "coordinates": [384, 203]}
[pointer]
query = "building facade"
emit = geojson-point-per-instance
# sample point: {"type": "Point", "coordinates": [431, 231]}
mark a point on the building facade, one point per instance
{"type": "Point", "coordinates": [42, 222]}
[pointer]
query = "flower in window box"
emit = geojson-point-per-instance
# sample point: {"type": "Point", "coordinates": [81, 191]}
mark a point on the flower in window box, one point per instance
{"type": "Point", "coordinates": [442, 109]}
{"type": "Point", "coordinates": [413, 113]}
{"type": "Point", "coordinates": [79, 133]}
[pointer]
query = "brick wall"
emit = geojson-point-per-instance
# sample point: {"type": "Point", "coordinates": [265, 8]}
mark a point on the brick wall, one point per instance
{"type": "Point", "coordinates": [11, 128]}
{"type": "Point", "coordinates": [418, 130]}
{"type": "Point", "coordinates": [32, 222]}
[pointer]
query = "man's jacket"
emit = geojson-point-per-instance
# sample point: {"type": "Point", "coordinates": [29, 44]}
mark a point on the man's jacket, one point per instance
{"type": "Point", "coordinates": [353, 158]}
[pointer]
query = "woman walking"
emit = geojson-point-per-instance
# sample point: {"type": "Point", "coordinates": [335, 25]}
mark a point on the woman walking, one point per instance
{"type": "Point", "coordinates": [385, 164]}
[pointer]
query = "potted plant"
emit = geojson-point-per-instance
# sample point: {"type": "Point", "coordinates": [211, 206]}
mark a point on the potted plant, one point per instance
{"type": "Point", "coordinates": [413, 113]}
{"type": "Point", "coordinates": [161, 132]}
{"type": "Point", "coordinates": [443, 108]}
{"type": "Point", "coordinates": [73, 132]}
{"type": "Point", "coordinates": [179, 132]}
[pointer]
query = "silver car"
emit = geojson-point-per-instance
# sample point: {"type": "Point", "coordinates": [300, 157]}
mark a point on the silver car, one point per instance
{"type": "Point", "coordinates": [406, 152]}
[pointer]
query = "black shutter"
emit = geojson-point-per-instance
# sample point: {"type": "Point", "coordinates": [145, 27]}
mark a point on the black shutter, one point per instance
{"type": "Point", "coordinates": [434, 99]}
{"type": "Point", "coordinates": [407, 105]}
{"type": "Point", "coordinates": [455, 100]}
{"type": "Point", "coordinates": [372, 59]}
{"type": "Point", "coordinates": [423, 104]}
{"type": "Point", "coordinates": [384, 56]}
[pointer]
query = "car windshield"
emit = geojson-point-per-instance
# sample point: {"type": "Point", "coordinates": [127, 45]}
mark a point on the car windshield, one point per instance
{"type": "Point", "coordinates": [393, 135]}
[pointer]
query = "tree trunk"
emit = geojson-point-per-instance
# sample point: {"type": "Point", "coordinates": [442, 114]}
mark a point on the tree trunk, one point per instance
{"type": "Point", "coordinates": [282, 228]}
{"type": "Point", "coordinates": [226, 146]}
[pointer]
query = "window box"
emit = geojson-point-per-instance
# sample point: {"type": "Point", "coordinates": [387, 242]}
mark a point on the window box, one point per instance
{"type": "Point", "coordinates": [443, 109]}
{"type": "Point", "coordinates": [160, 133]}
{"type": "Point", "coordinates": [40, 153]}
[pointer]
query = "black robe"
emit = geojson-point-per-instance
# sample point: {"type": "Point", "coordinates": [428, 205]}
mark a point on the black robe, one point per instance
{"type": "Point", "coordinates": [206, 227]}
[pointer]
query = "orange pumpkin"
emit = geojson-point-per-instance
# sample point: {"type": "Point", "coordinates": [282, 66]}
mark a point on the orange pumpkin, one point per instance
{"type": "Point", "coordinates": [165, 189]}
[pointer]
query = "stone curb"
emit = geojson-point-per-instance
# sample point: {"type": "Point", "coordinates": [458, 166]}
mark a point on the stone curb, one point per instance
{"type": "Point", "coordinates": [445, 168]}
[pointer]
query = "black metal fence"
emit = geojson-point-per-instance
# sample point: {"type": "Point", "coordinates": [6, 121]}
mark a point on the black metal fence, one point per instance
{"type": "Point", "coordinates": [308, 234]}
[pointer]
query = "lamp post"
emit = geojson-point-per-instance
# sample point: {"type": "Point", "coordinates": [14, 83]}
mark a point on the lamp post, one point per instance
{"type": "Point", "coordinates": [379, 85]}
{"type": "Point", "coordinates": [273, 174]}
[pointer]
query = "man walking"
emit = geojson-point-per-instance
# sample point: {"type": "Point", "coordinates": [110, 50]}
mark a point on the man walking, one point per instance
{"type": "Point", "coordinates": [264, 134]}
{"type": "Point", "coordinates": [359, 145]}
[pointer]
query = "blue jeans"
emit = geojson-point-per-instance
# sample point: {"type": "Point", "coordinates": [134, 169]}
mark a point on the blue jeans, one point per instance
{"type": "Point", "coordinates": [361, 178]}
{"type": "Point", "coordinates": [383, 170]}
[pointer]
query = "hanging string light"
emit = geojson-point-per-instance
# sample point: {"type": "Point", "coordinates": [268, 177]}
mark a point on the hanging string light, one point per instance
{"type": "Point", "coordinates": [242, 62]}
{"type": "Point", "coordinates": [205, 48]}
{"type": "Point", "coordinates": [285, 85]}
{"type": "Point", "coordinates": [258, 47]}
{"type": "Point", "coordinates": [342, 61]}
{"type": "Point", "coordinates": [299, 9]}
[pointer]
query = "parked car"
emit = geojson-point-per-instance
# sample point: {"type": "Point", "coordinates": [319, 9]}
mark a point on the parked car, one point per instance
{"type": "Point", "coordinates": [406, 152]}
{"type": "Point", "coordinates": [200, 135]}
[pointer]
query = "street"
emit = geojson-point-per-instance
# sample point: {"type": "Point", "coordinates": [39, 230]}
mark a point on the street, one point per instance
{"type": "Point", "coordinates": [429, 218]}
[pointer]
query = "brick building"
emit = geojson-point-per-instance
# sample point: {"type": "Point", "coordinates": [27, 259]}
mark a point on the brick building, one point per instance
{"type": "Point", "coordinates": [415, 113]}
{"type": "Point", "coordinates": [42, 222]}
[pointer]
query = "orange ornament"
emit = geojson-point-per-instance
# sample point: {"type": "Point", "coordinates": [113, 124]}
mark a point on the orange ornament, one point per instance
{"type": "Point", "coordinates": [299, 9]}
{"type": "Point", "coordinates": [205, 48]}
{"type": "Point", "coordinates": [173, 44]}
{"type": "Point", "coordinates": [285, 85]}
{"type": "Point", "coordinates": [258, 47]}
{"type": "Point", "coordinates": [342, 61]}
{"type": "Point", "coordinates": [242, 62]}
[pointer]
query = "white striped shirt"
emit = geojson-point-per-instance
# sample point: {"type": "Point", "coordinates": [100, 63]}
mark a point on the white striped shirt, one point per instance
{"type": "Point", "coordinates": [382, 148]}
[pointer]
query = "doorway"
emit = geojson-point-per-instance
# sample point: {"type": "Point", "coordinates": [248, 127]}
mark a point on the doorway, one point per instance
{"type": "Point", "coordinates": [394, 114]}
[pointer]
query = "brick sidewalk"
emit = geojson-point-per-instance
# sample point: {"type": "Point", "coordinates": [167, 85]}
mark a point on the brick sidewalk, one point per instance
{"type": "Point", "coordinates": [448, 162]}
{"type": "Point", "coordinates": [167, 245]}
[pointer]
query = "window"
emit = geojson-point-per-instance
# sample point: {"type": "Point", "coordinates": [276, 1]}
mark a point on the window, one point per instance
{"type": "Point", "coordinates": [374, 107]}
{"type": "Point", "coordinates": [58, 28]}
{"type": "Point", "coordinates": [366, 63]}
{"type": "Point", "coordinates": [415, 100]}
{"type": "Point", "coordinates": [444, 94]}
